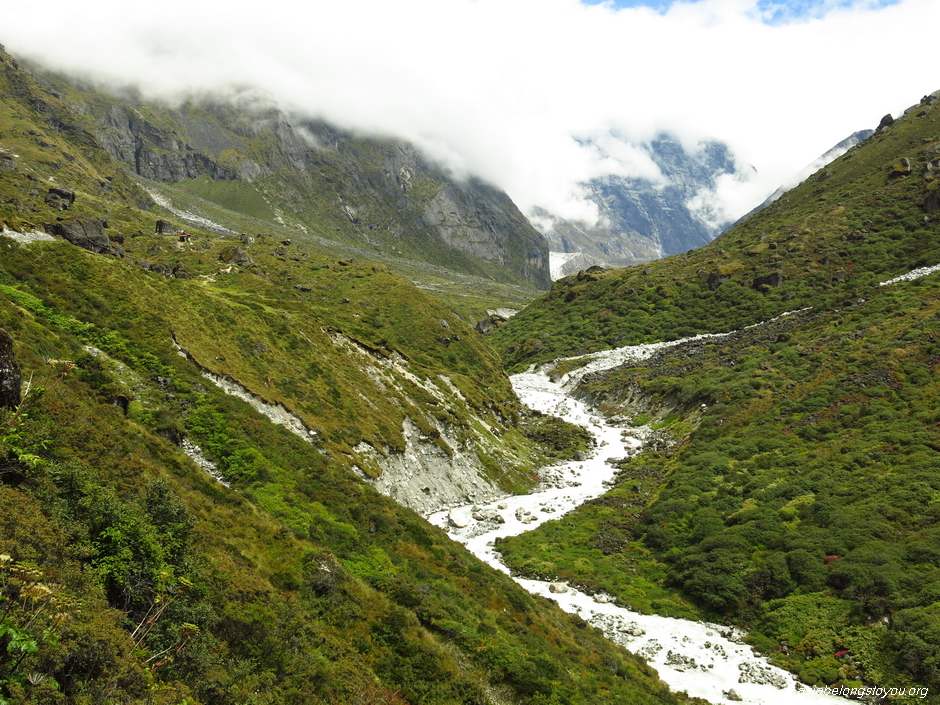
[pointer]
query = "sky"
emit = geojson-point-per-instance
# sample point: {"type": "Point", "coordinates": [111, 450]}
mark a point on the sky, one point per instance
{"type": "Point", "coordinates": [522, 92]}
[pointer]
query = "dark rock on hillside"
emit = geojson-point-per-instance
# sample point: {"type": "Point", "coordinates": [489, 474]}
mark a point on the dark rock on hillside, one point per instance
{"type": "Point", "coordinates": [492, 321]}
{"type": "Point", "coordinates": [932, 199]}
{"type": "Point", "coordinates": [164, 227]}
{"type": "Point", "coordinates": [234, 255]}
{"type": "Point", "coordinates": [10, 378]}
{"type": "Point", "coordinates": [60, 198]}
{"type": "Point", "coordinates": [764, 283]}
{"type": "Point", "coordinates": [886, 121]}
{"type": "Point", "coordinates": [7, 161]}
{"type": "Point", "coordinates": [86, 233]}
{"type": "Point", "coordinates": [152, 152]}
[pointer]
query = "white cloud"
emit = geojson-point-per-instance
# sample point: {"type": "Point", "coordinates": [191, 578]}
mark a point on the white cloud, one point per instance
{"type": "Point", "coordinates": [505, 89]}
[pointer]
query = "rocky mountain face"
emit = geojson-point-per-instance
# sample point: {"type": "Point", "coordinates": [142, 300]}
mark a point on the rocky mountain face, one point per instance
{"type": "Point", "coordinates": [642, 220]}
{"type": "Point", "coordinates": [382, 194]}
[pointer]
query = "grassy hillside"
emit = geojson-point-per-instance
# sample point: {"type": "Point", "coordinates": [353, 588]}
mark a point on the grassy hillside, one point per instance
{"type": "Point", "coordinates": [868, 216]}
{"type": "Point", "coordinates": [793, 481]}
{"type": "Point", "coordinates": [797, 496]}
{"type": "Point", "coordinates": [128, 574]}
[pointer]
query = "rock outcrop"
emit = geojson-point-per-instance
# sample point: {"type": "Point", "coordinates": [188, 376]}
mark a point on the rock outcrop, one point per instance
{"type": "Point", "coordinates": [87, 233]}
{"type": "Point", "coordinates": [60, 198]}
{"type": "Point", "coordinates": [382, 192]}
{"type": "Point", "coordinates": [10, 377]}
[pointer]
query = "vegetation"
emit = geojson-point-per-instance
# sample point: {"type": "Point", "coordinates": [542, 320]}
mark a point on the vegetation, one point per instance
{"type": "Point", "coordinates": [826, 242]}
{"type": "Point", "coordinates": [129, 575]}
{"type": "Point", "coordinates": [800, 500]}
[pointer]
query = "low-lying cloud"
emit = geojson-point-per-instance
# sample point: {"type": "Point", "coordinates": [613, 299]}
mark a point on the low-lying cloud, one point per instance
{"type": "Point", "coordinates": [523, 93]}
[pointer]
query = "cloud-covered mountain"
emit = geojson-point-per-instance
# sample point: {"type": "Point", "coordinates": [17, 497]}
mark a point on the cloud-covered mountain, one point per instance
{"type": "Point", "coordinates": [669, 211]}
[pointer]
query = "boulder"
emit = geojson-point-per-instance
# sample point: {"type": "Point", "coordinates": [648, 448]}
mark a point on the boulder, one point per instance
{"type": "Point", "coordinates": [60, 198]}
{"type": "Point", "coordinates": [494, 319]}
{"type": "Point", "coordinates": [902, 167]}
{"type": "Point", "coordinates": [732, 695]}
{"type": "Point", "coordinates": [557, 588]}
{"type": "Point", "coordinates": [234, 255]}
{"type": "Point", "coordinates": [7, 161]}
{"type": "Point", "coordinates": [87, 233]}
{"type": "Point", "coordinates": [10, 378]}
{"type": "Point", "coordinates": [886, 122]}
{"type": "Point", "coordinates": [164, 227]}
{"type": "Point", "coordinates": [764, 283]}
{"type": "Point", "coordinates": [459, 518]}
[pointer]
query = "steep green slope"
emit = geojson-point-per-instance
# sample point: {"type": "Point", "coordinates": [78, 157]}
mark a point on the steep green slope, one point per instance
{"type": "Point", "coordinates": [797, 494]}
{"type": "Point", "coordinates": [866, 217]}
{"type": "Point", "coordinates": [129, 573]}
{"type": "Point", "coordinates": [791, 485]}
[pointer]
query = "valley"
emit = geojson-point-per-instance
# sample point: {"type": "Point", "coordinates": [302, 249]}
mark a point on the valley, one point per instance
{"type": "Point", "coordinates": [293, 414]}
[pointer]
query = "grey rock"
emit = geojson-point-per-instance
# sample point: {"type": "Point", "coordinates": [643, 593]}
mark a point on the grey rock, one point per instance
{"type": "Point", "coordinates": [60, 198]}
{"type": "Point", "coordinates": [7, 161]}
{"type": "Point", "coordinates": [87, 233]}
{"type": "Point", "coordinates": [234, 255]}
{"type": "Point", "coordinates": [732, 695]}
{"type": "Point", "coordinates": [886, 122]}
{"type": "Point", "coordinates": [10, 377]}
{"type": "Point", "coordinates": [557, 588]}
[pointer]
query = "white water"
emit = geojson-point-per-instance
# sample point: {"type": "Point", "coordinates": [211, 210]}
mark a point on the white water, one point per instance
{"type": "Point", "coordinates": [705, 660]}
{"type": "Point", "coordinates": [912, 275]}
{"type": "Point", "coordinates": [194, 218]}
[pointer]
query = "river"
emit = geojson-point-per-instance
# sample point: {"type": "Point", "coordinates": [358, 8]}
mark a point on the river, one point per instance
{"type": "Point", "coordinates": [709, 661]}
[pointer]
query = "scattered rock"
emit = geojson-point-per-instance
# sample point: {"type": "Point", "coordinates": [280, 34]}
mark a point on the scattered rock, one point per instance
{"type": "Point", "coordinates": [557, 588]}
{"type": "Point", "coordinates": [164, 227]}
{"type": "Point", "coordinates": [525, 516]}
{"type": "Point", "coordinates": [487, 516]}
{"type": "Point", "coordinates": [680, 661]}
{"type": "Point", "coordinates": [87, 233]}
{"type": "Point", "coordinates": [303, 288]}
{"type": "Point", "coordinates": [752, 672]}
{"type": "Point", "coordinates": [10, 378]}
